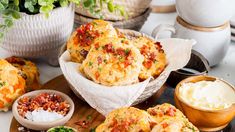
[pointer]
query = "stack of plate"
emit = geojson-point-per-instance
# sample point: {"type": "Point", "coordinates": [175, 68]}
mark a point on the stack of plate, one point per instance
{"type": "Point", "coordinates": [163, 6]}
{"type": "Point", "coordinates": [232, 23]}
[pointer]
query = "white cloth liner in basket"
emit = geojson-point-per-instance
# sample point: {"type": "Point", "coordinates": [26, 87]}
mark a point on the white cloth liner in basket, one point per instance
{"type": "Point", "coordinates": [105, 99]}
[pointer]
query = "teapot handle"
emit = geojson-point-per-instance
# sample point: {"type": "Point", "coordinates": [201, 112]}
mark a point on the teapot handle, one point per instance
{"type": "Point", "coordinates": [162, 27]}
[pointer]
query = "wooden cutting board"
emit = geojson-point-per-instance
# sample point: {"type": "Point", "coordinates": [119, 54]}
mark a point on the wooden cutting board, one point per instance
{"type": "Point", "coordinates": [83, 112]}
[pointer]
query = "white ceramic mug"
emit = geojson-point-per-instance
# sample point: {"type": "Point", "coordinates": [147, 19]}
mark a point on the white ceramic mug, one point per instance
{"type": "Point", "coordinates": [212, 43]}
{"type": "Point", "coordinates": [206, 13]}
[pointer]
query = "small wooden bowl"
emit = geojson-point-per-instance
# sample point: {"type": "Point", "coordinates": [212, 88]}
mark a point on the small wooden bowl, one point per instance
{"type": "Point", "coordinates": [205, 120]}
{"type": "Point", "coordinates": [43, 125]}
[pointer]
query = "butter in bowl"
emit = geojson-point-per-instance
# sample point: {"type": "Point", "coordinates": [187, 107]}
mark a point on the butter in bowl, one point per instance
{"type": "Point", "coordinates": [43, 109]}
{"type": "Point", "coordinates": [208, 102]}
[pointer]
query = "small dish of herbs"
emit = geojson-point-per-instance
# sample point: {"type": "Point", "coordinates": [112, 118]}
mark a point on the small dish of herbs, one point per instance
{"type": "Point", "coordinates": [62, 129]}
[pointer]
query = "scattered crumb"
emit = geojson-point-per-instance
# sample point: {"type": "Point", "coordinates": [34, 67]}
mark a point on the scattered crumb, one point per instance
{"type": "Point", "coordinates": [20, 129]}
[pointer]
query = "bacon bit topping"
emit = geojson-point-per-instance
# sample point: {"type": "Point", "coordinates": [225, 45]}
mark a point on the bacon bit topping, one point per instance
{"type": "Point", "coordinates": [83, 53]}
{"type": "Point", "coordinates": [144, 50]}
{"type": "Point", "coordinates": [156, 113]}
{"type": "Point", "coordinates": [15, 60]}
{"type": "Point", "coordinates": [164, 125]}
{"type": "Point", "coordinates": [152, 124]}
{"type": "Point", "coordinates": [97, 46]}
{"type": "Point", "coordinates": [109, 48]}
{"type": "Point", "coordinates": [80, 31]}
{"type": "Point", "coordinates": [82, 124]}
{"type": "Point", "coordinates": [123, 55]}
{"type": "Point", "coordinates": [120, 51]}
{"type": "Point", "coordinates": [45, 101]}
{"type": "Point", "coordinates": [159, 47]}
{"type": "Point", "coordinates": [121, 126]}
{"type": "Point", "coordinates": [171, 111]}
{"type": "Point", "coordinates": [99, 59]}
{"type": "Point", "coordinates": [126, 63]}
{"type": "Point", "coordinates": [123, 52]}
{"type": "Point", "coordinates": [7, 98]}
{"type": "Point", "coordinates": [152, 56]}
{"type": "Point", "coordinates": [152, 112]}
{"type": "Point", "coordinates": [1, 104]}
{"type": "Point", "coordinates": [147, 64]}
{"type": "Point", "coordinates": [86, 34]}
{"type": "Point", "coordinates": [97, 75]}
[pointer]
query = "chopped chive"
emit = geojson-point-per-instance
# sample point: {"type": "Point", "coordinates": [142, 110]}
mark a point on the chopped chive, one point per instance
{"type": "Point", "coordinates": [92, 130]}
{"type": "Point", "coordinates": [2, 84]}
{"type": "Point", "coordinates": [88, 117]}
{"type": "Point", "coordinates": [127, 51]}
{"type": "Point", "coordinates": [90, 63]}
{"type": "Point", "coordinates": [105, 61]}
{"type": "Point", "coordinates": [94, 23]}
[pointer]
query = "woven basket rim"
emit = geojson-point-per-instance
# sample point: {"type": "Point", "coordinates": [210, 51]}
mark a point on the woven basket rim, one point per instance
{"type": "Point", "coordinates": [141, 16]}
{"type": "Point", "coordinates": [133, 8]}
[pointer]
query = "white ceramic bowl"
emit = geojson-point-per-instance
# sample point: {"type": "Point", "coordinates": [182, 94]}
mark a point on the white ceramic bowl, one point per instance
{"type": "Point", "coordinates": [34, 36]}
{"type": "Point", "coordinates": [43, 125]}
{"type": "Point", "coordinates": [212, 43]}
{"type": "Point", "coordinates": [206, 13]}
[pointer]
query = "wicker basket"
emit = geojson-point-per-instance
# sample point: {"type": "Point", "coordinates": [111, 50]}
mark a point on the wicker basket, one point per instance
{"type": "Point", "coordinates": [35, 36]}
{"type": "Point", "coordinates": [152, 87]}
{"type": "Point", "coordinates": [133, 7]}
{"type": "Point", "coordinates": [134, 23]}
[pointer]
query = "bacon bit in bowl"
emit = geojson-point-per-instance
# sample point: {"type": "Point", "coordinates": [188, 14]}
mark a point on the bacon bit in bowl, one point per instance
{"type": "Point", "coordinates": [49, 106]}
{"type": "Point", "coordinates": [43, 109]}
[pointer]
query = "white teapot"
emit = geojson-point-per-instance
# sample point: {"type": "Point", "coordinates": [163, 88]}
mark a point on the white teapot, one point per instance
{"type": "Point", "coordinates": [212, 43]}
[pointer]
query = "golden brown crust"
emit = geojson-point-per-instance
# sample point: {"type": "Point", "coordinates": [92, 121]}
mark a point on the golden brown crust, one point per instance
{"type": "Point", "coordinates": [113, 62]}
{"type": "Point", "coordinates": [12, 85]}
{"type": "Point", "coordinates": [161, 118]}
{"type": "Point", "coordinates": [81, 40]}
{"type": "Point", "coordinates": [170, 119]}
{"type": "Point", "coordinates": [154, 57]}
{"type": "Point", "coordinates": [29, 72]}
{"type": "Point", "coordinates": [127, 119]}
